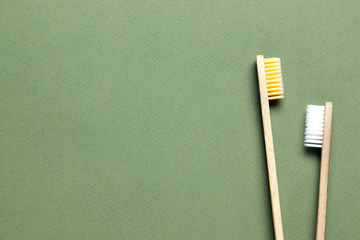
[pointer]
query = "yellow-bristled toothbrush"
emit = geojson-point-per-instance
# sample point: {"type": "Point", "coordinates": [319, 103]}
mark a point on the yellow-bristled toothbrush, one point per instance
{"type": "Point", "coordinates": [318, 125]}
{"type": "Point", "coordinates": [271, 88]}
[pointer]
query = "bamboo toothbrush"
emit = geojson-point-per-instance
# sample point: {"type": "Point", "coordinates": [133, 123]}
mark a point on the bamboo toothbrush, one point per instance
{"type": "Point", "coordinates": [271, 88]}
{"type": "Point", "coordinates": [318, 134]}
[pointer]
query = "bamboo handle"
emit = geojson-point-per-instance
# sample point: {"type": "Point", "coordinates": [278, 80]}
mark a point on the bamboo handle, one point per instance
{"type": "Point", "coordinates": [324, 173]}
{"type": "Point", "coordinates": [269, 145]}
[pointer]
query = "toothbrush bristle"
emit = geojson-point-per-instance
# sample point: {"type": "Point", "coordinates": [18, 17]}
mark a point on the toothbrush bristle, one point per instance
{"type": "Point", "coordinates": [314, 126]}
{"type": "Point", "coordinates": [274, 79]}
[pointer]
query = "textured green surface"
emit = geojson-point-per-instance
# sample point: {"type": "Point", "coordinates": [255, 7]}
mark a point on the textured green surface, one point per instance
{"type": "Point", "coordinates": [141, 119]}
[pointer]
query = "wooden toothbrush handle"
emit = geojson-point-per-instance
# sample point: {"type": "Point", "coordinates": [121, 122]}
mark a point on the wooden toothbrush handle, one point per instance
{"type": "Point", "coordinates": [269, 146]}
{"type": "Point", "coordinates": [324, 173]}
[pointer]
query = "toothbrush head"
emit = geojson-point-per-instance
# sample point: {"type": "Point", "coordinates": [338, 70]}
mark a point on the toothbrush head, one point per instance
{"type": "Point", "coordinates": [274, 79]}
{"type": "Point", "coordinates": [314, 126]}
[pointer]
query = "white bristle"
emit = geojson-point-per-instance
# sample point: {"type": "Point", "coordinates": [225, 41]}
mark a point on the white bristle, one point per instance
{"type": "Point", "coordinates": [314, 126]}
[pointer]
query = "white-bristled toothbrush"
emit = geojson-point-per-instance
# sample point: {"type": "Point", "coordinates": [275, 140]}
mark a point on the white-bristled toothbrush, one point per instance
{"type": "Point", "coordinates": [318, 125]}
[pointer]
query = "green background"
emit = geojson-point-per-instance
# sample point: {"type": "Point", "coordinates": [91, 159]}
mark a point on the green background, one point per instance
{"type": "Point", "coordinates": [141, 119]}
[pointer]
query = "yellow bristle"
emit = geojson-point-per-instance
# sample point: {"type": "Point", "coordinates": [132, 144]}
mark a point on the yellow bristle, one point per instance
{"type": "Point", "coordinates": [274, 78]}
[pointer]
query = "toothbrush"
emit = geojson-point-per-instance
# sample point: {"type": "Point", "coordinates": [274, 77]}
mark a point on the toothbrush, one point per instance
{"type": "Point", "coordinates": [271, 88]}
{"type": "Point", "coordinates": [318, 134]}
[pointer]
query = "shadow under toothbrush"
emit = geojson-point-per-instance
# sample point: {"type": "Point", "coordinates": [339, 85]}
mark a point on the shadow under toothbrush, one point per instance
{"type": "Point", "coordinates": [311, 152]}
{"type": "Point", "coordinates": [264, 176]}
{"type": "Point", "coordinates": [274, 103]}
{"type": "Point", "coordinates": [315, 152]}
